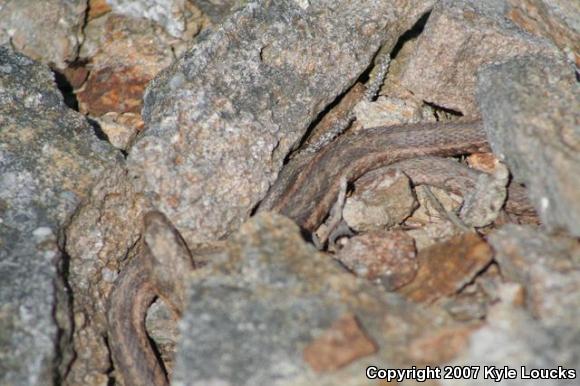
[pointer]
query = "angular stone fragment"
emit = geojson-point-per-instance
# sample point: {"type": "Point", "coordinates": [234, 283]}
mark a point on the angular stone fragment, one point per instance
{"type": "Point", "coordinates": [447, 267]}
{"type": "Point", "coordinates": [392, 111]}
{"type": "Point", "coordinates": [46, 30]}
{"type": "Point", "coordinates": [173, 15]}
{"type": "Point", "coordinates": [530, 112]}
{"type": "Point", "coordinates": [379, 203]}
{"type": "Point", "coordinates": [120, 129]}
{"type": "Point", "coordinates": [220, 122]}
{"type": "Point", "coordinates": [97, 8]}
{"type": "Point", "coordinates": [338, 346]}
{"type": "Point", "coordinates": [558, 20]}
{"type": "Point", "coordinates": [482, 205]}
{"type": "Point", "coordinates": [254, 315]}
{"type": "Point", "coordinates": [125, 54]}
{"type": "Point", "coordinates": [459, 37]}
{"type": "Point", "coordinates": [547, 267]}
{"type": "Point", "coordinates": [49, 160]}
{"type": "Point", "coordinates": [385, 257]}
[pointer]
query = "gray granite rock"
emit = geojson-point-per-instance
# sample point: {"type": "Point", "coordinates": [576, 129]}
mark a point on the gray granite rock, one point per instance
{"type": "Point", "coordinates": [530, 108]}
{"type": "Point", "coordinates": [217, 10]}
{"type": "Point", "coordinates": [46, 30]}
{"type": "Point", "coordinates": [545, 334]}
{"type": "Point", "coordinates": [259, 313]}
{"type": "Point", "coordinates": [460, 36]}
{"type": "Point", "coordinates": [171, 14]}
{"type": "Point", "coordinates": [548, 267]}
{"type": "Point", "coordinates": [221, 120]}
{"type": "Point", "coordinates": [511, 337]}
{"type": "Point", "coordinates": [558, 20]}
{"type": "Point", "coordinates": [49, 159]}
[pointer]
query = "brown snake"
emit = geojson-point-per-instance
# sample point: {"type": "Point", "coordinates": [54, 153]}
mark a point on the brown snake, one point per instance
{"type": "Point", "coordinates": [305, 193]}
{"type": "Point", "coordinates": [159, 271]}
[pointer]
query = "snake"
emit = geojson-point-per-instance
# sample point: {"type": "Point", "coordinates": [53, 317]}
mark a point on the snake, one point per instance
{"type": "Point", "coordinates": [304, 191]}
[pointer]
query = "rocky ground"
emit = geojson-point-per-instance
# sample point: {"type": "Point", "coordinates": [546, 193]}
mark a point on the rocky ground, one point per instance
{"type": "Point", "coordinates": [149, 150]}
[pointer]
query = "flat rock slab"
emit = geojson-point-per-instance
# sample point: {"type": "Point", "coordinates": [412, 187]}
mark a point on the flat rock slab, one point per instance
{"type": "Point", "coordinates": [221, 120]}
{"type": "Point", "coordinates": [271, 310]}
{"type": "Point", "coordinates": [460, 36]}
{"type": "Point", "coordinates": [530, 110]}
{"type": "Point", "coordinates": [49, 159]}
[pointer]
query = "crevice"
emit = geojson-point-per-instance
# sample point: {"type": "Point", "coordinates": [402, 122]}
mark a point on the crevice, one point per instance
{"type": "Point", "coordinates": [440, 110]}
{"type": "Point", "coordinates": [411, 34]}
{"type": "Point", "coordinates": [62, 314]}
{"type": "Point", "coordinates": [66, 89]}
{"type": "Point", "coordinates": [98, 130]}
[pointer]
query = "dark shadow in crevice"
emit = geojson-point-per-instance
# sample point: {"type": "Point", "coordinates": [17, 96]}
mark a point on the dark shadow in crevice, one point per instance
{"type": "Point", "coordinates": [98, 130]}
{"type": "Point", "coordinates": [63, 316]}
{"type": "Point", "coordinates": [439, 109]}
{"type": "Point", "coordinates": [411, 34]}
{"type": "Point", "coordinates": [66, 89]}
{"type": "Point", "coordinates": [100, 134]}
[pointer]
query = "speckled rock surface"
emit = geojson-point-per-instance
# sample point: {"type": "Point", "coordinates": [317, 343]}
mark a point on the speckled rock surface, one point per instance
{"type": "Point", "coordinates": [171, 14]}
{"type": "Point", "coordinates": [513, 338]}
{"type": "Point", "coordinates": [217, 10]}
{"type": "Point", "coordinates": [251, 315]}
{"type": "Point", "coordinates": [557, 19]}
{"type": "Point", "coordinates": [463, 35]}
{"type": "Point", "coordinates": [548, 267]}
{"type": "Point", "coordinates": [124, 54]}
{"type": "Point", "coordinates": [49, 160]}
{"type": "Point", "coordinates": [101, 238]}
{"type": "Point", "coordinates": [221, 120]}
{"type": "Point", "coordinates": [46, 30]}
{"type": "Point", "coordinates": [538, 324]}
{"type": "Point", "coordinates": [530, 112]}
{"type": "Point", "coordinates": [379, 202]}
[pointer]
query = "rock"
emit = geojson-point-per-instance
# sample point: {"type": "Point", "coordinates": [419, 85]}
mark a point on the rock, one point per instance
{"type": "Point", "coordinates": [379, 203]}
{"type": "Point", "coordinates": [546, 272]}
{"type": "Point", "coordinates": [218, 10]}
{"type": "Point", "coordinates": [338, 346]}
{"type": "Point", "coordinates": [482, 206]}
{"type": "Point", "coordinates": [512, 338]}
{"type": "Point", "coordinates": [392, 111]}
{"type": "Point", "coordinates": [173, 15]}
{"type": "Point", "coordinates": [125, 54]}
{"type": "Point", "coordinates": [388, 258]}
{"type": "Point", "coordinates": [101, 238]}
{"type": "Point", "coordinates": [433, 233]}
{"type": "Point", "coordinates": [268, 311]}
{"type": "Point", "coordinates": [46, 30]}
{"type": "Point", "coordinates": [529, 109]}
{"type": "Point", "coordinates": [447, 267]}
{"type": "Point", "coordinates": [442, 345]}
{"type": "Point", "coordinates": [97, 8]}
{"type": "Point", "coordinates": [485, 162]}
{"type": "Point", "coordinates": [463, 35]}
{"type": "Point", "coordinates": [220, 122]}
{"type": "Point", "coordinates": [163, 330]}
{"type": "Point", "coordinates": [49, 161]}
{"type": "Point", "coordinates": [427, 212]}
{"type": "Point", "coordinates": [548, 267]}
{"type": "Point", "coordinates": [558, 20]}
{"type": "Point", "coordinates": [120, 129]}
